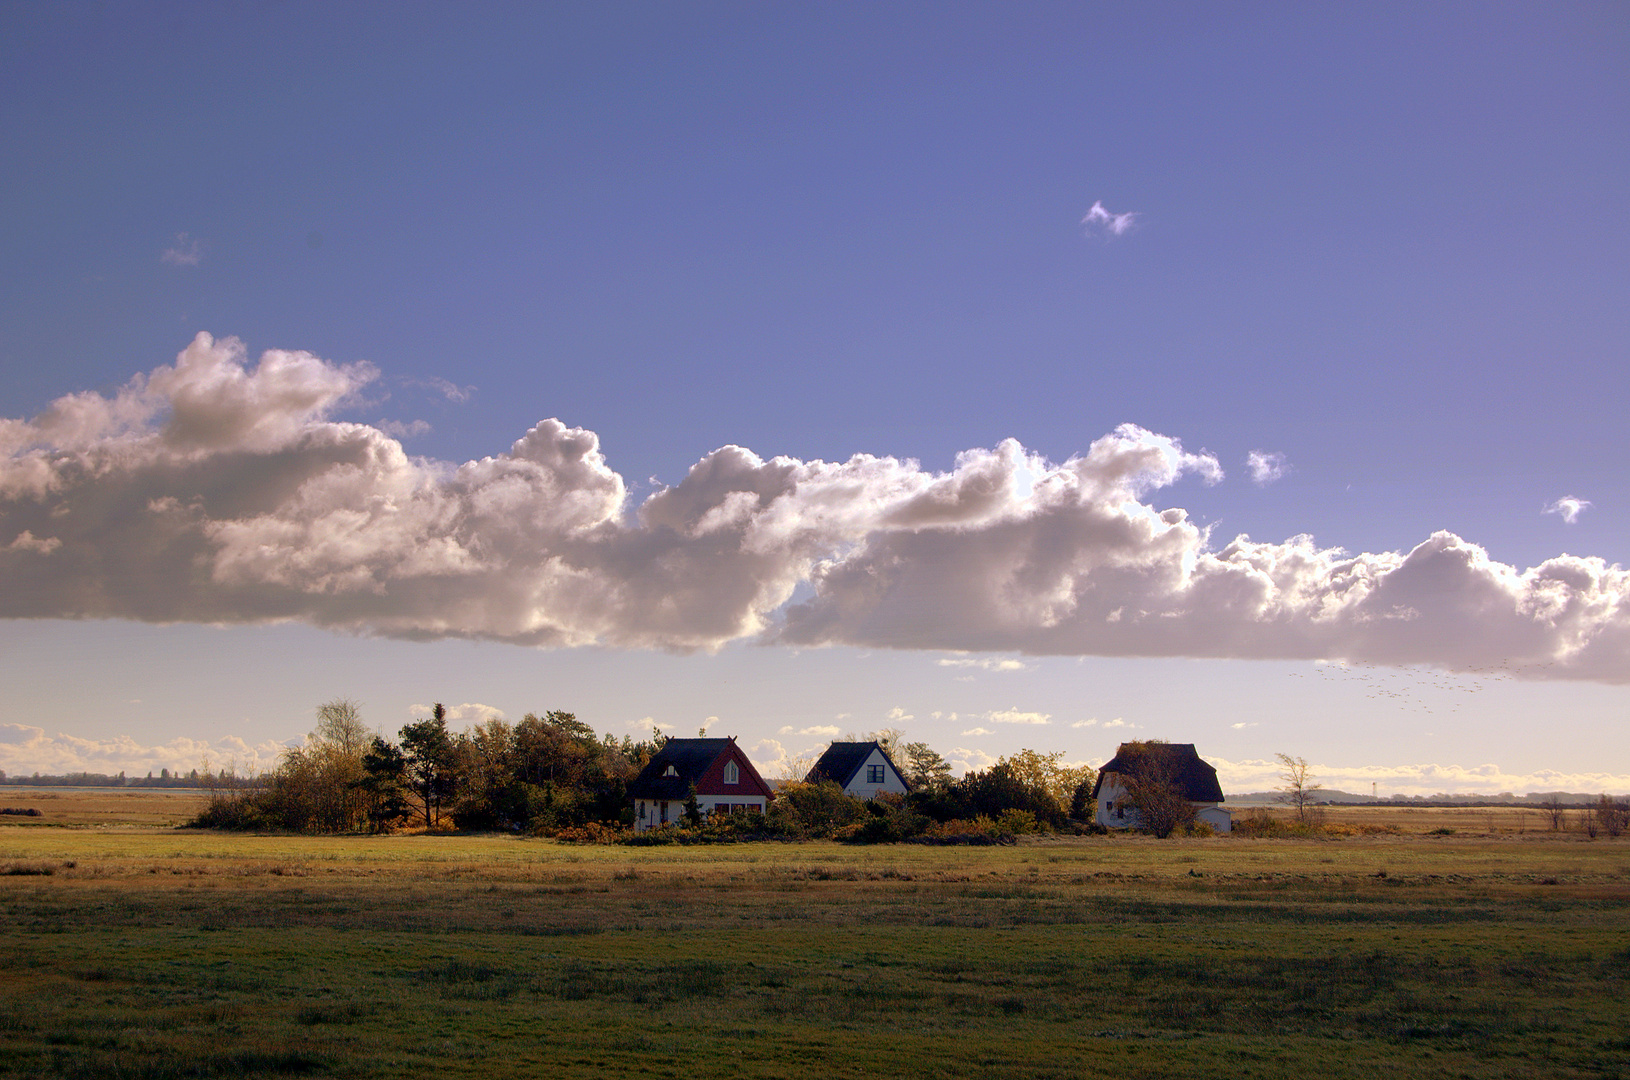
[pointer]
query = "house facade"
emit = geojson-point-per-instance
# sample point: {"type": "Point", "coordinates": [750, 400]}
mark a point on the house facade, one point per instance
{"type": "Point", "coordinates": [1178, 762]}
{"type": "Point", "coordinates": [725, 783]}
{"type": "Point", "coordinates": [863, 770]}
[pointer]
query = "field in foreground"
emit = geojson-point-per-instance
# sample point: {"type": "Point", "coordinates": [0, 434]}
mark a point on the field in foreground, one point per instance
{"type": "Point", "coordinates": [152, 952]}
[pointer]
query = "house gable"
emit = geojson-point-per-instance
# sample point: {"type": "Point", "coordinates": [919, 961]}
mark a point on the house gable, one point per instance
{"type": "Point", "coordinates": [863, 769]}
{"type": "Point", "coordinates": [662, 787]}
{"type": "Point", "coordinates": [714, 779]}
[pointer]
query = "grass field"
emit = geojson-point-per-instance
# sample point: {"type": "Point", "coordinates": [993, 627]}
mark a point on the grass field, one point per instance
{"type": "Point", "coordinates": [1500, 950]}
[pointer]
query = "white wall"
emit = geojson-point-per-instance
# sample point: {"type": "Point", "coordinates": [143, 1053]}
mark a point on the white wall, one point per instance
{"type": "Point", "coordinates": [1111, 791]}
{"type": "Point", "coordinates": [676, 809]}
{"type": "Point", "coordinates": [860, 789]}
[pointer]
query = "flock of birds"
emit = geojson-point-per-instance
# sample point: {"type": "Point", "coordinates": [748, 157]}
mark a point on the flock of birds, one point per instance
{"type": "Point", "coordinates": [1418, 689]}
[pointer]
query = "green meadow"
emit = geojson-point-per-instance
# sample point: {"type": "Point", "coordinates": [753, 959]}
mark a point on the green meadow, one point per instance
{"type": "Point", "coordinates": [154, 952]}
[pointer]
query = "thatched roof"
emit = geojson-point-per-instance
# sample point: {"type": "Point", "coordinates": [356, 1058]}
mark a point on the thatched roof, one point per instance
{"type": "Point", "coordinates": [1179, 762]}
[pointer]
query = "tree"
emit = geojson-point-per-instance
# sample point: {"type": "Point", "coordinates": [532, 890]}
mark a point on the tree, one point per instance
{"type": "Point", "coordinates": [1048, 772]}
{"type": "Point", "coordinates": [339, 723]}
{"type": "Point", "coordinates": [1153, 788]}
{"type": "Point", "coordinates": [926, 770]}
{"type": "Point", "coordinates": [1553, 805]}
{"type": "Point", "coordinates": [1613, 815]}
{"type": "Point", "coordinates": [382, 784]}
{"type": "Point", "coordinates": [428, 750]}
{"type": "Point", "coordinates": [1297, 790]}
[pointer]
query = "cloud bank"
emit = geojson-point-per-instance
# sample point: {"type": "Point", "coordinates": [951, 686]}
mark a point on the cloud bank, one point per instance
{"type": "Point", "coordinates": [25, 750]}
{"type": "Point", "coordinates": [213, 490]}
{"type": "Point", "coordinates": [1418, 779]}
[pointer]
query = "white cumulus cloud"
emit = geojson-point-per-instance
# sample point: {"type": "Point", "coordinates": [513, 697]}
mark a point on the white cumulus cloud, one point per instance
{"type": "Point", "coordinates": [25, 750]}
{"type": "Point", "coordinates": [219, 490]}
{"type": "Point", "coordinates": [1266, 466]}
{"type": "Point", "coordinates": [470, 712]}
{"type": "Point", "coordinates": [1016, 716]}
{"type": "Point", "coordinates": [988, 663]}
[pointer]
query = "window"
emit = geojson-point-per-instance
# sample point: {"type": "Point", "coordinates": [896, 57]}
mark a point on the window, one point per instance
{"type": "Point", "coordinates": [642, 810]}
{"type": "Point", "coordinates": [671, 771]}
{"type": "Point", "coordinates": [664, 811]}
{"type": "Point", "coordinates": [874, 774]}
{"type": "Point", "coordinates": [732, 773]}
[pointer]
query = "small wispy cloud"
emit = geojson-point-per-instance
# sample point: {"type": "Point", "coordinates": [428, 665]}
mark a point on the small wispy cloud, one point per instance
{"type": "Point", "coordinates": [1085, 723]}
{"type": "Point", "coordinates": [978, 731]}
{"type": "Point", "coordinates": [898, 715]}
{"type": "Point", "coordinates": [1266, 466]}
{"type": "Point", "coordinates": [1114, 224]}
{"type": "Point", "coordinates": [185, 251]}
{"type": "Point", "coordinates": [824, 730]}
{"type": "Point", "coordinates": [1014, 716]}
{"type": "Point", "coordinates": [1242, 725]}
{"type": "Point", "coordinates": [402, 430]}
{"type": "Point", "coordinates": [1568, 508]}
{"type": "Point", "coordinates": [988, 663]}
{"type": "Point", "coordinates": [1118, 723]}
{"type": "Point", "coordinates": [445, 387]}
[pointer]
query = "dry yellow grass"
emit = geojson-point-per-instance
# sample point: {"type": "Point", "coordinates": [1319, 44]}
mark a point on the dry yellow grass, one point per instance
{"type": "Point", "coordinates": [160, 952]}
{"type": "Point", "coordinates": [103, 807]}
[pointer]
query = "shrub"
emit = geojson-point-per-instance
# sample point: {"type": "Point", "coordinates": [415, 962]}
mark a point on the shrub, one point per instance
{"type": "Point", "coordinates": [980, 830]}
{"type": "Point", "coordinates": [591, 832]}
{"type": "Point", "coordinates": [1018, 822]}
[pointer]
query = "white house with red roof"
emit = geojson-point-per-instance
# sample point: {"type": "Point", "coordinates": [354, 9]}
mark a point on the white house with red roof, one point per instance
{"type": "Point", "coordinates": [724, 780]}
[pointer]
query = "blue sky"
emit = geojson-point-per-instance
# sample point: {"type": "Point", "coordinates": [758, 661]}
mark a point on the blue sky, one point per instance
{"type": "Point", "coordinates": [1380, 246]}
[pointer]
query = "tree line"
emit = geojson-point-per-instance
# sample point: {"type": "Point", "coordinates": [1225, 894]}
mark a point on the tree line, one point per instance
{"type": "Point", "coordinates": [553, 772]}
{"type": "Point", "coordinates": [542, 773]}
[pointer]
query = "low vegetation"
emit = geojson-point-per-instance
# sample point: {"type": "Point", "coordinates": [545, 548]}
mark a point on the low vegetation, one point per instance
{"type": "Point", "coordinates": [156, 953]}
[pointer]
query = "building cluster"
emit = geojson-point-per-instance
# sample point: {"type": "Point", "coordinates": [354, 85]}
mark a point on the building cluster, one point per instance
{"type": "Point", "coordinates": [718, 775]}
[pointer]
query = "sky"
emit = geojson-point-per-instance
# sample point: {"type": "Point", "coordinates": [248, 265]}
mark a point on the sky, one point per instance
{"type": "Point", "coordinates": [1014, 376]}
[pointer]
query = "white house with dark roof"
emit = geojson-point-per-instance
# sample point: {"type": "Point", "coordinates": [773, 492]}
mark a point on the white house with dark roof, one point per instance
{"type": "Point", "coordinates": [863, 770]}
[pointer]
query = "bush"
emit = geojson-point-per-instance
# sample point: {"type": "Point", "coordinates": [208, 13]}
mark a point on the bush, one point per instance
{"type": "Point", "coordinates": [979, 831]}
{"type": "Point", "coordinates": [591, 832]}
{"type": "Point", "coordinates": [236, 809]}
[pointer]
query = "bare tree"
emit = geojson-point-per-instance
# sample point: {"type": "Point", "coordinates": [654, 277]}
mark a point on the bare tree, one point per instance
{"type": "Point", "coordinates": [339, 723]}
{"type": "Point", "coordinates": [1614, 815]}
{"type": "Point", "coordinates": [1153, 788]}
{"type": "Point", "coordinates": [1554, 806]}
{"type": "Point", "coordinates": [1298, 790]}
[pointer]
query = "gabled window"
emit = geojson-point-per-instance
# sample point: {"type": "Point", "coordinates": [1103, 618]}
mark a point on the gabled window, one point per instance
{"type": "Point", "coordinates": [671, 771]}
{"type": "Point", "coordinates": [732, 773]}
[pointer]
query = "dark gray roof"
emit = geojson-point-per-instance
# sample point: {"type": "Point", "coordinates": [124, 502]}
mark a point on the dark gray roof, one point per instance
{"type": "Point", "coordinates": [843, 760]}
{"type": "Point", "coordinates": [690, 759]}
{"type": "Point", "coordinates": [1180, 761]}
